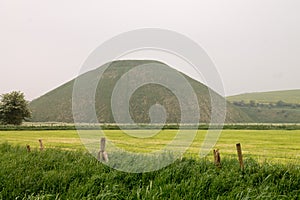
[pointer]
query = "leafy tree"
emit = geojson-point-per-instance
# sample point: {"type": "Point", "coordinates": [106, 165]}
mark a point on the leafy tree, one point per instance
{"type": "Point", "coordinates": [252, 103]}
{"type": "Point", "coordinates": [13, 108]}
{"type": "Point", "coordinates": [280, 104]}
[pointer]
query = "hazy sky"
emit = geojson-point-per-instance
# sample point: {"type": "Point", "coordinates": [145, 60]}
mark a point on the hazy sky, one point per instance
{"type": "Point", "coordinates": [254, 44]}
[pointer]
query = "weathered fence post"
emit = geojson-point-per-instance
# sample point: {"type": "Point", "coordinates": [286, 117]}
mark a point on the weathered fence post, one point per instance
{"type": "Point", "coordinates": [214, 152]}
{"type": "Point", "coordinates": [102, 154]}
{"type": "Point", "coordinates": [217, 158]}
{"type": "Point", "coordinates": [41, 145]}
{"type": "Point", "coordinates": [240, 155]}
{"type": "Point", "coordinates": [28, 147]}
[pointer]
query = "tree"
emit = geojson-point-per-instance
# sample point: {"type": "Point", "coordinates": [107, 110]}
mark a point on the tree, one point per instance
{"type": "Point", "coordinates": [252, 103]}
{"type": "Point", "coordinates": [13, 108]}
{"type": "Point", "coordinates": [280, 104]}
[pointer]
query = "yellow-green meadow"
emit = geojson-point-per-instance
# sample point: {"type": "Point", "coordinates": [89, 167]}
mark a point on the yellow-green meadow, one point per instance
{"type": "Point", "coordinates": [263, 145]}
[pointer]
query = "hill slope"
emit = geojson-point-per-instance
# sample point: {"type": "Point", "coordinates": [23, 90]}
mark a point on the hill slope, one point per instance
{"type": "Point", "coordinates": [270, 107]}
{"type": "Point", "coordinates": [288, 96]}
{"type": "Point", "coordinates": [56, 105]}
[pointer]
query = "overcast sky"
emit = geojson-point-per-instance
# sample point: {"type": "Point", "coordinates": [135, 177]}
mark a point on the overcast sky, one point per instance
{"type": "Point", "coordinates": [254, 44]}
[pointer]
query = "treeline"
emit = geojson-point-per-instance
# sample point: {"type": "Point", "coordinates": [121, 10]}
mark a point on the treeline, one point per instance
{"type": "Point", "coordinates": [278, 104]}
{"type": "Point", "coordinates": [250, 126]}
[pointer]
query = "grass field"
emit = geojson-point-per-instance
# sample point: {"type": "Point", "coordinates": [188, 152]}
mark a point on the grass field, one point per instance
{"type": "Point", "coordinates": [262, 145]}
{"type": "Point", "coordinates": [64, 170]}
{"type": "Point", "coordinates": [55, 174]}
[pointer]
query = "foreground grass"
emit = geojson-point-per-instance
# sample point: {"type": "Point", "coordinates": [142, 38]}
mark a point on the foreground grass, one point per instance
{"type": "Point", "coordinates": [57, 174]}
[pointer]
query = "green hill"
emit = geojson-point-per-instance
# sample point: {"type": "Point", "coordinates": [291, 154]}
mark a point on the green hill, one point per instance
{"type": "Point", "coordinates": [288, 96]}
{"type": "Point", "coordinates": [56, 105]}
{"type": "Point", "coordinates": [273, 115]}
{"type": "Point", "coordinates": [270, 107]}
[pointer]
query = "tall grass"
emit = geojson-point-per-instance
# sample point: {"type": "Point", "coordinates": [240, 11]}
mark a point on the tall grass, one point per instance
{"type": "Point", "coordinates": [57, 174]}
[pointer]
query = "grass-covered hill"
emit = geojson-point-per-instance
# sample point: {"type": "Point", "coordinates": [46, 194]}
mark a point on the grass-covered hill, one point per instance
{"type": "Point", "coordinates": [270, 107]}
{"type": "Point", "coordinates": [56, 105]}
{"type": "Point", "coordinates": [288, 96]}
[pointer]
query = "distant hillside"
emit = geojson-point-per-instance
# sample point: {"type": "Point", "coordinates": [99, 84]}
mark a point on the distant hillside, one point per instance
{"type": "Point", "coordinates": [273, 115]}
{"type": "Point", "coordinates": [288, 96]}
{"type": "Point", "coordinates": [270, 107]}
{"type": "Point", "coordinates": [56, 105]}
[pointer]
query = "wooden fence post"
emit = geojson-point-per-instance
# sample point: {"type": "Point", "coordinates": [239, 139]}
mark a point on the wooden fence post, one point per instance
{"type": "Point", "coordinates": [217, 158]}
{"type": "Point", "coordinates": [240, 155]}
{"type": "Point", "coordinates": [214, 152]}
{"type": "Point", "coordinates": [28, 147]}
{"type": "Point", "coordinates": [41, 145]}
{"type": "Point", "coordinates": [102, 154]}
